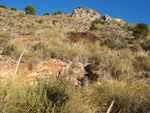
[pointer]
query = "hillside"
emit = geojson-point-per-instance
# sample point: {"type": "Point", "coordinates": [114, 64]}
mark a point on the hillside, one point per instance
{"type": "Point", "coordinates": [80, 62]}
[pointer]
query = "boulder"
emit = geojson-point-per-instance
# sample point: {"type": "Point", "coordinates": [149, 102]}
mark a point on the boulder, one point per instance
{"type": "Point", "coordinates": [75, 72]}
{"type": "Point", "coordinates": [92, 71]}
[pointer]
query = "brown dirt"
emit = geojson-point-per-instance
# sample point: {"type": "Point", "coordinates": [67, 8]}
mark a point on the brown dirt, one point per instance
{"type": "Point", "coordinates": [78, 36]}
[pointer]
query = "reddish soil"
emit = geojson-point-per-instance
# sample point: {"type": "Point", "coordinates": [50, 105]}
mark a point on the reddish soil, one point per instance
{"type": "Point", "coordinates": [92, 38]}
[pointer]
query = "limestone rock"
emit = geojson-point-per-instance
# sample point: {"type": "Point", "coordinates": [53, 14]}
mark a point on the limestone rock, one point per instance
{"type": "Point", "coordinates": [85, 15]}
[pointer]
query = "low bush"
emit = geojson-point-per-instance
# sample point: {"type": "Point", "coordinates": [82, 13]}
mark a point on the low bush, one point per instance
{"type": "Point", "coordinates": [115, 42]}
{"type": "Point", "coordinates": [46, 14]}
{"type": "Point", "coordinates": [141, 31]}
{"type": "Point", "coordinates": [57, 13]}
{"type": "Point", "coordinates": [40, 21]}
{"type": "Point", "coordinates": [14, 9]}
{"type": "Point", "coordinates": [98, 21]}
{"type": "Point", "coordinates": [2, 6]}
{"type": "Point", "coordinates": [93, 27]}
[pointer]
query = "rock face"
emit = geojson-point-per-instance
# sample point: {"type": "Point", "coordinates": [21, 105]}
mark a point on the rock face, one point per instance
{"type": "Point", "coordinates": [51, 68]}
{"type": "Point", "coordinates": [85, 15]}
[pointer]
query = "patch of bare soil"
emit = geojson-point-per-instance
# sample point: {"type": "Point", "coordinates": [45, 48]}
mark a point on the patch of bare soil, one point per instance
{"type": "Point", "coordinates": [78, 36]}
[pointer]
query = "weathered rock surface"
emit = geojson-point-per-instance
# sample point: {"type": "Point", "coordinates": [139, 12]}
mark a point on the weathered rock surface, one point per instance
{"type": "Point", "coordinates": [75, 72]}
{"type": "Point", "coordinates": [43, 69]}
{"type": "Point", "coordinates": [85, 15]}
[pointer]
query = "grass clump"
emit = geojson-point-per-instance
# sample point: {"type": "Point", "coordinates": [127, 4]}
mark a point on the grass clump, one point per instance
{"type": "Point", "coordinates": [49, 95]}
{"type": "Point", "coordinates": [146, 45]}
{"type": "Point", "coordinates": [128, 97]}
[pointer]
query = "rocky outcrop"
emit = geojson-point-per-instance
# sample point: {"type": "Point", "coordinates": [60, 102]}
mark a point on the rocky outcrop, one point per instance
{"type": "Point", "coordinates": [107, 18]}
{"type": "Point", "coordinates": [85, 15]}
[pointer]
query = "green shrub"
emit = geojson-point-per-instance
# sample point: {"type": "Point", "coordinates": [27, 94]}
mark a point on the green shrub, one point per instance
{"type": "Point", "coordinates": [93, 27]}
{"type": "Point", "coordinates": [40, 21]}
{"type": "Point", "coordinates": [141, 31]}
{"type": "Point", "coordinates": [57, 13]}
{"type": "Point", "coordinates": [14, 9]}
{"type": "Point", "coordinates": [98, 21]}
{"type": "Point", "coordinates": [110, 43]}
{"type": "Point", "coordinates": [115, 42]}
{"type": "Point", "coordinates": [2, 6]}
{"type": "Point", "coordinates": [80, 7]}
{"type": "Point", "coordinates": [104, 17]}
{"type": "Point", "coordinates": [46, 14]}
{"type": "Point", "coordinates": [30, 10]}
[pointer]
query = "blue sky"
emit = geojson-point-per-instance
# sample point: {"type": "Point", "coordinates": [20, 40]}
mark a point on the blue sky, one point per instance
{"type": "Point", "coordinates": [132, 11]}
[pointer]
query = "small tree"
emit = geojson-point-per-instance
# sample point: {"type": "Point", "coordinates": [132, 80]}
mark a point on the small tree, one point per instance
{"type": "Point", "coordinates": [79, 7]}
{"type": "Point", "coordinates": [30, 10]}
{"type": "Point", "coordinates": [2, 6]}
{"type": "Point", "coordinates": [46, 14]}
{"type": "Point", "coordinates": [141, 31]}
{"type": "Point", "coordinates": [57, 13]}
{"type": "Point", "coordinates": [14, 9]}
